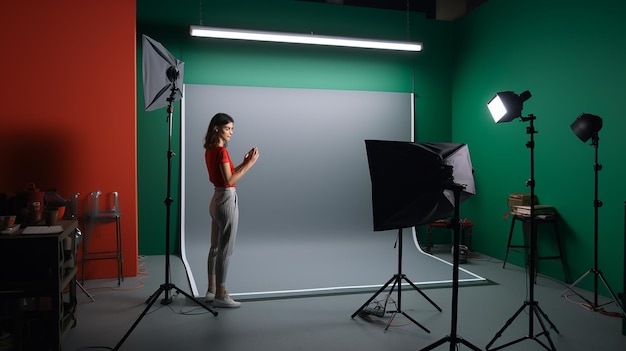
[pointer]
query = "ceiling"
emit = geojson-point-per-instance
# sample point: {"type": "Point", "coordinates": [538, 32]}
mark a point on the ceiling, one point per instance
{"type": "Point", "coordinates": [444, 10]}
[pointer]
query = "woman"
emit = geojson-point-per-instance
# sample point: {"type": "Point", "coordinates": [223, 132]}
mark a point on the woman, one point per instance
{"type": "Point", "coordinates": [223, 207]}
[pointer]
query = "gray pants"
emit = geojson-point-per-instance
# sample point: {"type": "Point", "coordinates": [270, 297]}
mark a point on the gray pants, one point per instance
{"type": "Point", "coordinates": [224, 219]}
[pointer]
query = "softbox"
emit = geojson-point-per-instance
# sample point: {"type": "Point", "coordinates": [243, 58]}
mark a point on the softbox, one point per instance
{"type": "Point", "coordinates": [411, 182]}
{"type": "Point", "coordinates": [162, 75]}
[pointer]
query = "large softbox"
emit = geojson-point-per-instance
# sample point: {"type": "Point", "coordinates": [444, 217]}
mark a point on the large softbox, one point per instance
{"type": "Point", "coordinates": [411, 182]}
{"type": "Point", "coordinates": [162, 72]}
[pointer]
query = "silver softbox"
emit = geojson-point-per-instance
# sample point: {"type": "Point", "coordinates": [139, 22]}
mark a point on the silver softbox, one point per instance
{"type": "Point", "coordinates": [162, 73]}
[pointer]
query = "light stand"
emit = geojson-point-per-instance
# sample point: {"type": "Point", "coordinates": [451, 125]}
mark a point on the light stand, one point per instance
{"type": "Point", "coordinates": [397, 280]}
{"type": "Point", "coordinates": [166, 287]}
{"type": "Point", "coordinates": [533, 306]}
{"type": "Point", "coordinates": [415, 196]}
{"type": "Point", "coordinates": [597, 273]}
{"type": "Point", "coordinates": [453, 338]}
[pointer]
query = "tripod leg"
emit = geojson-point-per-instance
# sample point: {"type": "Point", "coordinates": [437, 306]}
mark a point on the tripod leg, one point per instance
{"type": "Point", "coordinates": [571, 287]}
{"type": "Point", "coordinates": [552, 326]}
{"type": "Point", "coordinates": [412, 320]}
{"type": "Point", "coordinates": [606, 285]}
{"type": "Point", "coordinates": [373, 297]}
{"type": "Point", "coordinates": [581, 278]}
{"type": "Point", "coordinates": [398, 281]}
{"type": "Point", "coordinates": [393, 317]}
{"type": "Point", "coordinates": [155, 294]}
{"type": "Point", "coordinates": [594, 305]}
{"type": "Point", "coordinates": [506, 325]}
{"type": "Point", "coordinates": [468, 344]}
{"type": "Point", "coordinates": [421, 292]}
{"type": "Point", "coordinates": [85, 291]}
{"type": "Point", "coordinates": [196, 301]}
{"type": "Point", "coordinates": [539, 313]}
{"type": "Point", "coordinates": [453, 344]}
{"type": "Point", "coordinates": [150, 302]}
{"type": "Point", "coordinates": [436, 343]}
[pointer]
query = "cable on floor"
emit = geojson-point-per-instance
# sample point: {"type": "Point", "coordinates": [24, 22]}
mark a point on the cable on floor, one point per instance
{"type": "Point", "coordinates": [142, 273]}
{"type": "Point", "coordinates": [588, 307]}
{"type": "Point", "coordinates": [378, 310]}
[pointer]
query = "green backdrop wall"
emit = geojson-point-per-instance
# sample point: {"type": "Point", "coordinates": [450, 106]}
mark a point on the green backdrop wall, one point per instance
{"type": "Point", "coordinates": [570, 56]}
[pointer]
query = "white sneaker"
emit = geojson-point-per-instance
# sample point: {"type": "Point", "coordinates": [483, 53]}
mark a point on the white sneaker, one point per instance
{"type": "Point", "coordinates": [209, 297]}
{"type": "Point", "coordinates": [226, 302]}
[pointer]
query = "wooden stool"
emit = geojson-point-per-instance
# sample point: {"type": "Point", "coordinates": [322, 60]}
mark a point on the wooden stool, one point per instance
{"type": "Point", "coordinates": [552, 218]}
{"type": "Point", "coordinates": [466, 230]}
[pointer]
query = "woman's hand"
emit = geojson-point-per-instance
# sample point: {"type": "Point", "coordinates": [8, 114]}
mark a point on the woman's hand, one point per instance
{"type": "Point", "coordinates": [251, 156]}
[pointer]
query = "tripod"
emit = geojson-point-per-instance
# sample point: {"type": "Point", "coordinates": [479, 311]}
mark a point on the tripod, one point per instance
{"type": "Point", "coordinates": [397, 280]}
{"type": "Point", "coordinates": [595, 270]}
{"type": "Point", "coordinates": [533, 306]}
{"type": "Point", "coordinates": [453, 338]}
{"type": "Point", "coordinates": [166, 287]}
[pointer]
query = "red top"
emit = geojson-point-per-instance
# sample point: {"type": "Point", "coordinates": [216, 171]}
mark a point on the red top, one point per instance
{"type": "Point", "coordinates": [214, 158]}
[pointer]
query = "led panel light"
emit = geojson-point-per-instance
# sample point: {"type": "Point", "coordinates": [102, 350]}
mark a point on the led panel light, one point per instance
{"type": "Point", "coordinates": [496, 108]}
{"type": "Point", "coordinates": [310, 39]}
{"type": "Point", "coordinates": [506, 106]}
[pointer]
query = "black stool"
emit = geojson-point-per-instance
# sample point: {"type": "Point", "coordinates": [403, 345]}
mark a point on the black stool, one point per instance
{"type": "Point", "coordinates": [551, 218]}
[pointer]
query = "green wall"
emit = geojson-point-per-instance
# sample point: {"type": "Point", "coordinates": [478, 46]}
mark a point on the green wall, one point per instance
{"type": "Point", "coordinates": [219, 62]}
{"type": "Point", "coordinates": [571, 57]}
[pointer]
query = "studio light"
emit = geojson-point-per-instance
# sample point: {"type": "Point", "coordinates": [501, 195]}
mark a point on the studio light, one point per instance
{"type": "Point", "coordinates": [162, 78]}
{"type": "Point", "coordinates": [239, 34]}
{"type": "Point", "coordinates": [507, 106]}
{"type": "Point", "coordinates": [586, 126]}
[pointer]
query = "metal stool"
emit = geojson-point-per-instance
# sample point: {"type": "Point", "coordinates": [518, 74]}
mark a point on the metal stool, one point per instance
{"type": "Point", "coordinates": [540, 219]}
{"type": "Point", "coordinates": [95, 215]}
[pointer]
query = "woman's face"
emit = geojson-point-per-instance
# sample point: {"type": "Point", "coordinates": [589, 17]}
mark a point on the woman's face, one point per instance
{"type": "Point", "coordinates": [226, 131]}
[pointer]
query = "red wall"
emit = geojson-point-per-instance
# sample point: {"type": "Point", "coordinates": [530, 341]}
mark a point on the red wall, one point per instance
{"type": "Point", "coordinates": [68, 93]}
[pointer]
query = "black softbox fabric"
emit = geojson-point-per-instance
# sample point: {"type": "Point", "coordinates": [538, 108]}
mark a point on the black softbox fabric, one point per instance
{"type": "Point", "coordinates": [410, 181]}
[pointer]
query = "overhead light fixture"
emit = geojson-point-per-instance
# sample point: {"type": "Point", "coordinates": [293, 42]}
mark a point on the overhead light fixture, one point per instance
{"type": "Point", "coordinates": [311, 39]}
{"type": "Point", "coordinates": [507, 106]}
{"type": "Point", "coordinates": [587, 126]}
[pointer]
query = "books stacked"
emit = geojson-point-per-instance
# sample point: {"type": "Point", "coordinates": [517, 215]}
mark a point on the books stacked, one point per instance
{"type": "Point", "coordinates": [540, 210]}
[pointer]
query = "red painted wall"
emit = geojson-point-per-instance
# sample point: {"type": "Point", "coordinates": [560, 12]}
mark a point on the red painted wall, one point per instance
{"type": "Point", "coordinates": [68, 105]}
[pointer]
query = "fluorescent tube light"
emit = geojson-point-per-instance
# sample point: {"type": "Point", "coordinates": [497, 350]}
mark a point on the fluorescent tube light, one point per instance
{"type": "Point", "coordinates": [224, 33]}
